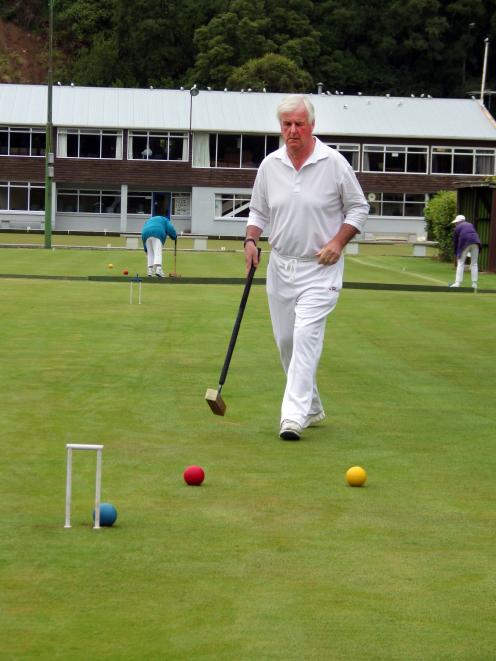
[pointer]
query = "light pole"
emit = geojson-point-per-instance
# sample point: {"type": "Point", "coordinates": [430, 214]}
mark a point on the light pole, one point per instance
{"type": "Point", "coordinates": [194, 91]}
{"type": "Point", "coordinates": [49, 129]}
{"type": "Point", "coordinates": [484, 68]}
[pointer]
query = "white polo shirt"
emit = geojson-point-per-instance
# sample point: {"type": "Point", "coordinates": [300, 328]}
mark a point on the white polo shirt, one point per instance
{"type": "Point", "coordinates": [306, 208]}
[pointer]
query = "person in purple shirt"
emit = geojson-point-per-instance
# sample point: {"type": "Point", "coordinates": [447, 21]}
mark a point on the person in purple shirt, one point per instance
{"type": "Point", "coordinates": [465, 241]}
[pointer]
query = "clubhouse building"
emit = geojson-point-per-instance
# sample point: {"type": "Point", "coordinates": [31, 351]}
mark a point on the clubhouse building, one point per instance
{"type": "Point", "coordinates": [121, 155]}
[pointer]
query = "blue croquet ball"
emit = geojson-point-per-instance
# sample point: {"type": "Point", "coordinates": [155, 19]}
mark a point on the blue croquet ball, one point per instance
{"type": "Point", "coordinates": [108, 514]}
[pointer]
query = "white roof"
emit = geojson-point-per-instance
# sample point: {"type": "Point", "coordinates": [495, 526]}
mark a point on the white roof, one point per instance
{"type": "Point", "coordinates": [247, 112]}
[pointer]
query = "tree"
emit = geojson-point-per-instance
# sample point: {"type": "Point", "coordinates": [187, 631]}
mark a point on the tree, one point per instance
{"type": "Point", "coordinates": [276, 73]}
{"type": "Point", "coordinates": [84, 42]}
{"type": "Point", "coordinates": [25, 14]}
{"type": "Point", "coordinates": [439, 213]}
{"type": "Point", "coordinates": [130, 42]}
{"type": "Point", "coordinates": [250, 29]}
{"type": "Point", "coordinates": [228, 40]}
{"type": "Point", "coordinates": [97, 65]}
{"type": "Point", "coordinates": [149, 52]}
{"type": "Point", "coordinates": [401, 46]}
{"type": "Point", "coordinates": [376, 46]}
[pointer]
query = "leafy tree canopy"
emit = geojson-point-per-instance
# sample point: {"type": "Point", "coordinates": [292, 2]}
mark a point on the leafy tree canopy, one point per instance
{"type": "Point", "coordinates": [373, 46]}
{"type": "Point", "coordinates": [275, 73]}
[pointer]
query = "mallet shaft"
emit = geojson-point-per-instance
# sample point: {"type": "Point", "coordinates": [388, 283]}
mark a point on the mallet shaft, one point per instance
{"type": "Point", "coordinates": [237, 324]}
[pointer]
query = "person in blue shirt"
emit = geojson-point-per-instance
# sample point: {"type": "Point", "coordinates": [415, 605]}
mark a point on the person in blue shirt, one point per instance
{"type": "Point", "coordinates": [465, 241]}
{"type": "Point", "coordinates": [154, 233]}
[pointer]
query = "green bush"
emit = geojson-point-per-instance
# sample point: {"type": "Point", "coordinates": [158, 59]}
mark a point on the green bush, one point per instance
{"type": "Point", "coordinates": [439, 213]}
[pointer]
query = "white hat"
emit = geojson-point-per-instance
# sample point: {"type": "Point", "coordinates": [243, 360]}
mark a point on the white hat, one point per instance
{"type": "Point", "coordinates": [458, 219]}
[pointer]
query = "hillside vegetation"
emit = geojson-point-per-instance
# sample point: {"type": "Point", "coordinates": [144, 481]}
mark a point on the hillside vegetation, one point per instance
{"type": "Point", "coordinates": [22, 55]}
{"type": "Point", "coordinates": [375, 46]}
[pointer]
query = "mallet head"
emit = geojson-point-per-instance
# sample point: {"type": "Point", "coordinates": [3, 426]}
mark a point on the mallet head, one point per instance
{"type": "Point", "coordinates": [215, 401]}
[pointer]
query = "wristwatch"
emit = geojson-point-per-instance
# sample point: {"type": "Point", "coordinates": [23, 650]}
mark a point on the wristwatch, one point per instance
{"type": "Point", "coordinates": [249, 238]}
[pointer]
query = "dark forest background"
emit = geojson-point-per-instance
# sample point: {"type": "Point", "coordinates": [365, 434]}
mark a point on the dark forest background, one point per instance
{"type": "Point", "coordinates": [400, 47]}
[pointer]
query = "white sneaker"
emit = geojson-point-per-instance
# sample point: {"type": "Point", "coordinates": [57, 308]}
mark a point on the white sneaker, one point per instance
{"type": "Point", "coordinates": [455, 284]}
{"type": "Point", "coordinates": [314, 419]}
{"type": "Point", "coordinates": [150, 273]}
{"type": "Point", "coordinates": [290, 430]}
{"type": "Point", "coordinates": [474, 285]}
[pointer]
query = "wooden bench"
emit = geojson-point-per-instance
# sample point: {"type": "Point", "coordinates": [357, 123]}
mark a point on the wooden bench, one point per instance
{"type": "Point", "coordinates": [419, 248]}
{"type": "Point", "coordinates": [132, 240]}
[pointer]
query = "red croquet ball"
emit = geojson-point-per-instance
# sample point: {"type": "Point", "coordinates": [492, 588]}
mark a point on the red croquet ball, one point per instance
{"type": "Point", "coordinates": [126, 272]}
{"type": "Point", "coordinates": [194, 475]}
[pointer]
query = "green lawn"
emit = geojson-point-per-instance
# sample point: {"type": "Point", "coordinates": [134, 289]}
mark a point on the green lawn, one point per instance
{"type": "Point", "coordinates": [273, 557]}
{"type": "Point", "coordinates": [375, 263]}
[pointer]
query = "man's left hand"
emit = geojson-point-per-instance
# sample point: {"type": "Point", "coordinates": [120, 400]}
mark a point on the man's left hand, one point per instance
{"type": "Point", "coordinates": [330, 253]}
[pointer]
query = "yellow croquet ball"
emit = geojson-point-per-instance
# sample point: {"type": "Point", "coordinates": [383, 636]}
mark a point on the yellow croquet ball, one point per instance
{"type": "Point", "coordinates": [356, 476]}
{"type": "Point", "coordinates": [111, 266]}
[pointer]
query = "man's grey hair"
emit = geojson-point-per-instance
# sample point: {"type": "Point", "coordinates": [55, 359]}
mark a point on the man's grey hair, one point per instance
{"type": "Point", "coordinates": [294, 101]}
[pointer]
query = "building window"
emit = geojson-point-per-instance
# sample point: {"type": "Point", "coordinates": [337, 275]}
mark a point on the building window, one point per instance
{"type": "Point", "coordinates": [226, 150]}
{"type": "Point", "coordinates": [181, 205]}
{"type": "Point", "coordinates": [484, 161]}
{"type": "Point", "coordinates": [395, 158]}
{"type": "Point", "coordinates": [462, 160]}
{"type": "Point", "coordinates": [139, 202]}
{"type": "Point", "coordinates": [163, 146]}
{"type": "Point", "coordinates": [37, 198]}
{"type": "Point", "coordinates": [232, 206]}
{"type": "Point", "coordinates": [409, 205]}
{"type": "Point", "coordinates": [349, 151]}
{"type": "Point", "coordinates": [21, 196]}
{"type": "Point", "coordinates": [22, 141]}
{"type": "Point", "coordinates": [70, 200]}
{"type": "Point", "coordinates": [89, 143]}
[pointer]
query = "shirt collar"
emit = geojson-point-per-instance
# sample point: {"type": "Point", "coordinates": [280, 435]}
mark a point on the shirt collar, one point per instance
{"type": "Point", "coordinates": [319, 152]}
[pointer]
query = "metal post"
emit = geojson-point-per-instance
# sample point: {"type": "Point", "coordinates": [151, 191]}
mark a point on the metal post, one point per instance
{"type": "Point", "coordinates": [68, 489]}
{"type": "Point", "coordinates": [98, 487]}
{"type": "Point", "coordinates": [194, 91]}
{"type": "Point", "coordinates": [49, 130]}
{"type": "Point", "coordinates": [484, 68]}
{"type": "Point", "coordinates": [138, 280]}
{"type": "Point", "coordinates": [98, 483]}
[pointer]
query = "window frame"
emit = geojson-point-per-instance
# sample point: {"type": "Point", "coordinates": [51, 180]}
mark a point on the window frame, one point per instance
{"type": "Point", "coordinates": [385, 149]}
{"type": "Point", "coordinates": [175, 196]}
{"type": "Point", "coordinates": [381, 199]}
{"type": "Point", "coordinates": [234, 197]}
{"type": "Point", "coordinates": [452, 152]}
{"type": "Point", "coordinates": [214, 159]}
{"type": "Point", "coordinates": [27, 186]}
{"type": "Point", "coordinates": [353, 148]}
{"type": "Point", "coordinates": [84, 193]}
{"type": "Point", "coordinates": [23, 130]}
{"type": "Point", "coordinates": [63, 134]}
{"type": "Point", "coordinates": [160, 135]}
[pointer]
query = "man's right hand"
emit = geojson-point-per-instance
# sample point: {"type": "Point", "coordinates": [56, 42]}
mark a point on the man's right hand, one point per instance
{"type": "Point", "coordinates": [251, 255]}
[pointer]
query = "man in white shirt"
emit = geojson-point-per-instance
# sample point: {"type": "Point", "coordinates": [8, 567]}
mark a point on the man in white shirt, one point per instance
{"type": "Point", "coordinates": [309, 196]}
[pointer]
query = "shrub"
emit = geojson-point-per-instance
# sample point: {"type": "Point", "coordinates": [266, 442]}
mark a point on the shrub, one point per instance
{"type": "Point", "coordinates": [439, 213]}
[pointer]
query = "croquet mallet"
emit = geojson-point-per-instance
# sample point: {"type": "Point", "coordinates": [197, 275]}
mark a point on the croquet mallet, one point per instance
{"type": "Point", "coordinates": [213, 397]}
{"type": "Point", "coordinates": [174, 274]}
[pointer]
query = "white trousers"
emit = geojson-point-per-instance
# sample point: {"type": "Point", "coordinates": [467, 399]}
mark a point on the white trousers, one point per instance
{"type": "Point", "coordinates": [301, 294]}
{"type": "Point", "coordinates": [460, 263]}
{"type": "Point", "coordinates": [154, 252]}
